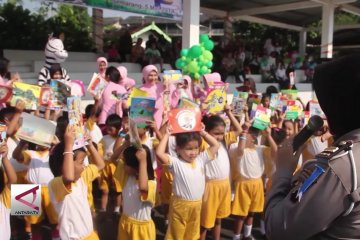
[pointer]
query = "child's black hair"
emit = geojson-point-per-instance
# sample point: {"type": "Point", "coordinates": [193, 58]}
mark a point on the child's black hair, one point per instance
{"type": "Point", "coordinates": [183, 138]}
{"type": "Point", "coordinates": [56, 158]}
{"type": "Point", "coordinates": [5, 112]}
{"type": "Point", "coordinates": [55, 67]}
{"type": "Point", "coordinates": [114, 120]}
{"type": "Point", "coordinates": [2, 180]}
{"type": "Point", "coordinates": [61, 125]}
{"type": "Point", "coordinates": [212, 122]}
{"type": "Point", "coordinates": [113, 73]}
{"type": "Point", "coordinates": [89, 111]}
{"type": "Point", "coordinates": [131, 160]}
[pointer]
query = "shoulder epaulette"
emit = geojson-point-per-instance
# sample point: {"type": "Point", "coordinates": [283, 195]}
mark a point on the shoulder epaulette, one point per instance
{"type": "Point", "coordinates": [332, 151]}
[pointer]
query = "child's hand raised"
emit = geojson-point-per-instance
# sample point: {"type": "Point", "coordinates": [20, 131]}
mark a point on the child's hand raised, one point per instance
{"type": "Point", "coordinates": [141, 155]}
{"type": "Point", "coordinates": [20, 105]}
{"type": "Point", "coordinates": [3, 149]}
{"type": "Point", "coordinates": [69, 136]}
{"type": "Point", "coordinates": [227, 108]}
{"type": "Point", "coordinates": [151, 124]}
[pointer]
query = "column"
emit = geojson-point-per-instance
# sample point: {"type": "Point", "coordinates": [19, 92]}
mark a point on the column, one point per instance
{"type": "Point", "coordinates": [98, 29]}
{"type": "Point", "coordinates": [190, 23]}
{"type": "Point", "coordinates": [302, 43]}
{"type": "Point", "coordinates": [327, 30]}
{"type": "Point", "coordinates": [228, 29]}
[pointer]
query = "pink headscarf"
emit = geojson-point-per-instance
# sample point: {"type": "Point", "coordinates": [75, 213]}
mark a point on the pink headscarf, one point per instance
{"type": "Point", "coordinates": [99, 60]}
{"type": "Point", "coordinates": [127, 82]}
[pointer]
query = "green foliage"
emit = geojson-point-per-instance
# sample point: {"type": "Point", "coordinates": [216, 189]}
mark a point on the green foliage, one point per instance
{"type": "Point", "coordinates": [21, 29]}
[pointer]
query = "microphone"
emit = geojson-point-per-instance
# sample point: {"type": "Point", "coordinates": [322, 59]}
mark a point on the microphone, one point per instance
{"type": "Point", "coordinates": [315, 123]}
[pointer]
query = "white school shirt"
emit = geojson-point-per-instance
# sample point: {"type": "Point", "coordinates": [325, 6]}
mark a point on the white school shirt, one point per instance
{"type": "Point", "coordinates": [149, 142]}
{"type": "Point", "coordinates": [12, 142]}
{"type": "Point", "coordinates": [72, 205]}
{"type": "Point", "coordinates": [219, 168]}
{"type": "Point", "coordinates": [39, 169]}
{"type": "Point", "coordinates": [108, 143]}
{"type": "Point", "coordinates": [251, 165]}
{"type": "Point", "coordinates": [5, 230]}
{"type": "Point", "coordinates": [135, 204]}
{"type": "Point", "coordinates": [189, 178]}
{"type": "Point", "coordinates": [96, 134]}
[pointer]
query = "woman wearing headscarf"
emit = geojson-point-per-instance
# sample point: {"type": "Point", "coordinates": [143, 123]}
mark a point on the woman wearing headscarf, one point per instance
{"type": "Point", "coordinates": [102, 64]}
{"type": "Point", "coordinates": [126, 82]}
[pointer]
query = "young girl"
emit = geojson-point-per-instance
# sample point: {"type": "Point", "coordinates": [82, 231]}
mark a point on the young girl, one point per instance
{"type": "Point", "coordinates": [102, 64]}
{"type": "Point", "coordinates": [189, 181]}
{"type": "Point", "coordinates": [7, 177]}
{"type": "Point", "coordinates": [68, 190]}
{"type": "Point", "coordinates": [138, 195]}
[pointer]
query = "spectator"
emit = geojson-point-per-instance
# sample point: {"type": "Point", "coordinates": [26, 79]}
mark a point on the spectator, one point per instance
{"type": "Point", "coordinates": [153, 55]}
{"type": "Point", "coordinates": [137, 52]}
{"type": "Point", "coordinates": [113, 54]}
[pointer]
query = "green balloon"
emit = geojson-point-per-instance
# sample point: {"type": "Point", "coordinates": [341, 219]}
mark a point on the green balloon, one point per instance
{"type": "Point", "coordinates": [195, 51]}
{"type": "Point", "coordinates": [209, 45]}
{"type": "Point", "coordinates": [209, 64]}
{"type": "Point", "coordinates": [193, 67]}
{"type": "Point", "coordinates": [208, 55]}
{"type": "Point", "coordinates": [204, 37]}
{"type": "Point", "coordinates": [184, 52]}
{"type": "Point", "coordinates": [209, 71]}
{"type": "Point", "coordinates": [201, 58]}
{"type": "Point", "coordinates": [196, 75]}
{"type": "Point", "coordinates": [179, 63]}
{"type": "Point", "coordinates": [183, 58]}
{"type": "Point", "coordinates": [203, 70]}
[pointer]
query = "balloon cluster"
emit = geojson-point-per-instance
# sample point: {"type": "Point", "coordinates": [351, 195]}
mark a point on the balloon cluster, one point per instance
{"type": "Point", "coordinates": [197, 60]}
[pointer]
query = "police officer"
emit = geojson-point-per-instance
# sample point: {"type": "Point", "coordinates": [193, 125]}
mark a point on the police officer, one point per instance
{"type": "Point", "coordinates": [325, 204]}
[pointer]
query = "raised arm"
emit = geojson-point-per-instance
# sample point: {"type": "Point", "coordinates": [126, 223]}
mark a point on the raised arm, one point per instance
{"type": "Point", "coordinates": [143, 175]}
{"type": "Point", "coordinates": [161, 149]}
{"type": "Point", "coordinates": [243, 137]}
{"type": "Point", "coordinates": [13, 124]}
{"type": "Point", "coordinates": [272, 143]}
{"type": "Point", "coordinates": [8, 168]}
{"type": "Point", "coordinates": [233, 120]}
{"type": "Point", "coordinates": [214, 145]}
{"type": "Point", "coordinates": [68, 171]}
{"type": "Point", "coordinates": [96, 158]}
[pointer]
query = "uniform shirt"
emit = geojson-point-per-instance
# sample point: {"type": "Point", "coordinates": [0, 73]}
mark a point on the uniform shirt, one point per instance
{"type": "Point", "coordinates": [5, 213]}
{"type": "Point", "coordinates": [95, 131]}
{"type": "Point", "coordinates": [106, 146]}
{"type": "Point", "coordinates": [12, 142]}
{"type": "Point", "coordinates": [152, 143]}
{"type": "Point", "coordinates": [72, 205]}
{"type": "Point", "coordinates": [189, 178]}
{"type": "Point", "coordinates": [39, 170]}
{"type": "Point", "coordinates": [251, 164]}
{"type": "Point", "coordinates": [136, 204]}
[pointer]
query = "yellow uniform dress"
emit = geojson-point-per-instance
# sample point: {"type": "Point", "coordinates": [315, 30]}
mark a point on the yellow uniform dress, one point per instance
{"type": "Point", "coordinates": [72, 206]}
{"type": "Point", "coordinates": [20, 168]}
{"type": "Point", "coordinates": [5, 210]}
{"type": "Point", "coordinates": [135, 222]}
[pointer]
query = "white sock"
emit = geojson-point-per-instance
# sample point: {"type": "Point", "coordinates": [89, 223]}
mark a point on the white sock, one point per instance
{"type": "Point", "coordinates": [247, 230]}
{"type": "Point", "coordinates": [237, 237]}
{"type": "Point", "coordinates": [117, 209]}
{"type": "Point", "coordinates": [262, 227]}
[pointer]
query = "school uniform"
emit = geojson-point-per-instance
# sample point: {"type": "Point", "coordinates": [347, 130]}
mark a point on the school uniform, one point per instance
{"type": "Point", "coordinates": [20, 168]}
{"type": "Point", "coordinates": [5, 201]}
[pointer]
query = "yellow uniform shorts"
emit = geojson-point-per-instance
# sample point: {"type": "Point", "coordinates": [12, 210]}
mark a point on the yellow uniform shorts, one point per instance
{"type": "Point", "coordinates": [249, 197]}
{"type": "Point", "coordinates": [184, 219]}
{"type": "Point", "coordinates": [107, 177]}
{"type": "Point", "coordinates": [166, 185]}
{"type": "Point", "coordinates": [46, 207]}
{"type": "Point", "coordinates": [90, 196]}
{"type": "Point", "coordinates": [92, 236]}
{"type": "Point", "coordinates": [216, 202]}
{"type": "Point", "coordinates": [132, 229]}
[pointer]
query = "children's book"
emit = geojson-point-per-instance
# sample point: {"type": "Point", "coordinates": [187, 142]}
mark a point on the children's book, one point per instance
{"type": "Point", "coordinates": [5, 93]}
{"type": "Point", "coordinates": [137, 92]}
{"type": "Point", "coordinates": [244, 95]}
{"type": "Point", "coordinates": [187, 103]}
{"type": "Point", "coordinates": [36, 130]}
{"type": "Point", "coordinates": [96, 85]}
{"type": "Point", "coordinates": [215, 101]}
{"type": "Point", "coordinates": [76, 120]}
{"type": "Point", "coordinates": [60, 93]}
{"type": "Point", "coordinates": [290, 94]}
{"type": "Point", "coordinates": [238, 106]}
{"type": "Point", "coordinates": [315, 109]}
{"type": "Point", "coordinates": [293, 111]}
{"type": "Point", "coordinates": [254, 98]}
{"type": "Point", "coordinates": [305, 118]}
{"type": "Point", "coordinates": [28, 93]}
{"type": "Point", "coordinates": [185, 120]}
{"type": "Point", "coordinates": [142, 109]}
{"type": "Point", "coordinates": [3, 129]}
{"type": "Point", "coordinates": [172, 76]}
{"type": "Point", "coordinates": [275, 101]}
{"type": "Point", "coordinates": [261, 117]}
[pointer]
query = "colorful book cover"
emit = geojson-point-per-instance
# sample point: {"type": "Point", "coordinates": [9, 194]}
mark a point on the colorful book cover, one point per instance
{"type": "Point", "coordinates": [172, 76]}
{"type": "Point", "coordinates": [142, 109]}
{"type": "Point", "coordinates": [96, 85]}
{"type": "Point", "coordinates": [305, 118]}
{"type": "Point", "coordinates": [76, 120]}
{"type": "Point", "coordinates": [45, 96]}
{"type": "Point", "coordinates": [28, 93]}
{"type": "Point", "coordinates": [185, 120]}
{"type": "Point", "coordinates": [36, 130]}
{"type": "Point", "coordinates": [187, 103]}
{"type": "Point", "coordinates": [315, 109]}
{"type": "Point", "coordinates": [293, 111]}
{"type": "Point", "coordinates": [137, 92]}
{"type": "Point", "coordinates": [3, 130]}
{"type": "Point", "coordinates": [215, 101]}
{"type": "Point", "coordinates": [238, 106]}
{"type": "Point", "coordinates": [290, 94]}
{"type": "Point", "coordinates": [60, 93]}
{"type": "Point", "coordinates": [244, 95]}
{"type": "Point", "coordinates": [261, 117]}
{"type": "Point", "coordinates": [211, 85]}
{"type": "Point", "coordinates": [119, 96]}
{"type": "Point", "coordinates": [5, 93]}
{"type": "Point", "coordinates": [275, 101]}
{"type": "Point", "coordinates": [229, 98]}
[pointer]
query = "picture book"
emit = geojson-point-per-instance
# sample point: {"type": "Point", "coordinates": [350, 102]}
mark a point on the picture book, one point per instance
{"type": "Point", "coordinates": [187, 103]}
{"type": "Point", "coordinates": [275, 101]}
{"type": "Point", "coordinates": [60, 92]}
{"type": "Point", "coordinates": [76, 120]}
{"type": "Point", "coordinates": [305, 118]}
{"type": "Point", "coordinates": [261, 117]}
{"type": "Point", "coordinates": [293, 111]}
{"type": "Point", "coordinates": [315, 109]}
{"type": "Point", "coordinates": [172, 76]}
{"type": "Point", "coordinates": [214, 85]}
{"type": "Point", "coordinates": [137, 92]}
{"type": "Point", "coordinates": [215, 101]}
{"type": "Point", "coordinates": [36, 130]}
{"type": "Point", "coordinates": [185, 120]}
{"type": "Point", "coordinates": [142, 109]}
{"type": "Point", "coordinates": [290, 94]}
{"type": "Point", "coordinates": [5, 93]}
{"type": "Point", "coordinates": [3, 129]}
{"type": "Point", "coordinates": [96, 85]}
{"type": "Point", "coordinates": [254, 98]}
{"type": "Point", "coordinates": [238, 106]}
{"type": "Point", "coordinates": [244, 95]}
{"type": "Point", "coordinates": [28, 93]}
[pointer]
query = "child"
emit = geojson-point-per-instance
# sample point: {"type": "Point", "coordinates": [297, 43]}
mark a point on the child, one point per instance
{"type": "Point", "coordinates": [138, 196]}
{"type": "Point", "coordinates": [249, 189]}
{"type": "Point", "coordinates": [216, 202]}
{"type": "Point", "coordinates": [7, 177]}
{"type": "Point", "coordinates": [106, 146]}
{"type": "Point", "coordinates": [68, 190]}
{"type": "Point", "coordinates": [189, 181]}
{"type": "Point", "coordinates": [55, 72]}
{"type": "Point", "coordinates": [92, 115]}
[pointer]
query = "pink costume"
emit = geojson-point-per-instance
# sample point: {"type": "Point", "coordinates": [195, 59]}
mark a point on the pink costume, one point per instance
{"type": "Point", "coordinates": [99, 60]}
{"type": "Point", "coordinates": [156, 91]}
{"type": "Point", "coordinates": [177, 94]}
{"type": "Point", "coordinates": [108, 103]}
{"type": "Point", "coordinates": [125, 81]}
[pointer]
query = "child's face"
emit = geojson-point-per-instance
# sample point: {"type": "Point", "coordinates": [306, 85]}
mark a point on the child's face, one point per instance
{"type": "Point", "coordinates": [57, 75]}
{"type": "Point", "coordinates": [141, 132]}
{"type": "Point", "coordinates": [190, 151]}
{"type": "Point", "coordinates": [102, 67]}
{"type": "Point", "coordinates": [289, 129]}
{"type": "Point", "coordinates": [218, 132]}
{"type": "Point", "coordinates": [79, 163]}
{"type": "Point", "coordinates": [112, 131]}
{"type": "Point", "coordinates": [266, 102]}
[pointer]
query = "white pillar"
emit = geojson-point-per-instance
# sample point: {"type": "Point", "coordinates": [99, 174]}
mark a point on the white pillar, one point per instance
{"type": "Point", "coordinates": [327, 30]}
{"type": "Point", "coordinates": [302, 42]}
{"type": "Point", "coordinates": [190, 23]}
{"type": "Point", "coordinates": [228, 29]}
{"type": "Point", "coordinates": [98, 29]}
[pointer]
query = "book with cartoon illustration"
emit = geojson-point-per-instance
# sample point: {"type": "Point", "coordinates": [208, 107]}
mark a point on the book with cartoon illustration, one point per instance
{"type": "Point", "coordinates": [290, 94]}
{"type": "Point", "coordinates": [172, 76]}
{"type": "Point", "coordinates": [238, 106]}
{"type": "Point", "coordinates": [60, 93]}
{"type": "Point", "coordinates": [315, 109]}
{"type": "Point", "coordinates": [261, 116]}
{"type": "Point", "coordinates": [76, 120]}
{"type": "Point", "coordinates": [28, 93]}
{"type": "Point", "coordinates": [243, 95]}
{"type": "Point", "coordinates": [36, 130]}
{"type": "Point", "coordinates": [293, 111]}
{"type": "Point", "coordinates": [142, 109]}
{"type": "Point", "coordinates": [96, 85]}
{"type": "Point", "coordinates": [137, 92]}
{"type": "Point", "coordinates": [187, 103]}
{"type": "Point", "coordinates": [185, 120]}
{"type": "Point", "coordinates": [5, 93]}
{"type": "Point", "coordinates": [216, 101]}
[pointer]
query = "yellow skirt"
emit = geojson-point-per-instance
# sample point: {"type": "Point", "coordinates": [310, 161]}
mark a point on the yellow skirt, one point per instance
{"type": "Point", "coordinates": [132, 229]}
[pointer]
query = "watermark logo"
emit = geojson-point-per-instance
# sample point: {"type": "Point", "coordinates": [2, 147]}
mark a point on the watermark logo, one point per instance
{"type": "Point", "coordinates": [25, 199]}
